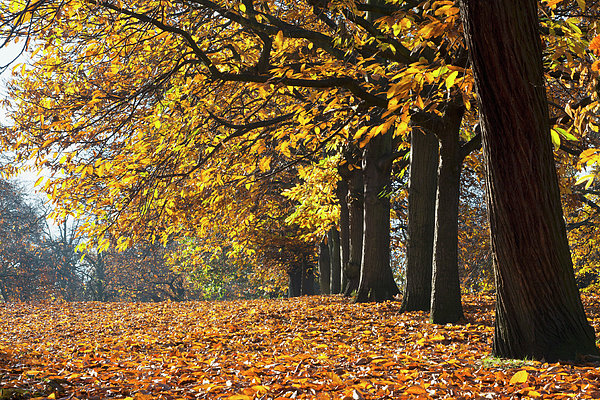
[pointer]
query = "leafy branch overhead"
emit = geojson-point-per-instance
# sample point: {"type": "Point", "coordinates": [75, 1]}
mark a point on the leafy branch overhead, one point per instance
{"type": "Point", "coordinates": [228, 139]}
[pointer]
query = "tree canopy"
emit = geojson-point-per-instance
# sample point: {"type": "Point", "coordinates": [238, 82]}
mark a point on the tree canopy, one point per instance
{"type": "Point", "coordinates": [238, 134]}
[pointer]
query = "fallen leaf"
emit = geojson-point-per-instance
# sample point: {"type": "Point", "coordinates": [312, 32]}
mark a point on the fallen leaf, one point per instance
{"type": "Point", "coordinates": [519, 377]}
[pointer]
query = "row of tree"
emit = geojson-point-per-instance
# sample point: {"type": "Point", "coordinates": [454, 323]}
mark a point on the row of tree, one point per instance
{"type": "Point", "coordinates": [206, 123]}
{"type": "Point", "coordinates": [40, 261]}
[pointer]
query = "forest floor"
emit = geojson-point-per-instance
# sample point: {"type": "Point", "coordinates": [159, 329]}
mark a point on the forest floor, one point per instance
{"type": "Point", "coordinates": [304, 348]}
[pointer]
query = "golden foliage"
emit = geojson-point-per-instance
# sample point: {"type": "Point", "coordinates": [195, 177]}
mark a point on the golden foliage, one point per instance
{"type": "Point", "coordinates": [595, 45]}
{"type": "Point", "coordinates": [305, 348]}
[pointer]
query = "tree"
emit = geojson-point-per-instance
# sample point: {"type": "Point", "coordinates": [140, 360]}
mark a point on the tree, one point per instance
{"type": "Point", "coordinates": [185, 108]}
{"type": "Point", "coordinates": [141, 273]}
{"type": "Point", "coordinates": [324, 267]}
{"type": "Point", "coordinates": [421, 221]}
{"type": "Point", "coordinates": [355, 200]}
{"type": "Point", "coordinates": [335, 260]}
{"type": "Point", "coordinates": [24, 272]}
{"type": "Point", "coordinates": [188, 83]}
{"type": "Point", "coordinates": [445, 295]}
{"type": "Point", "coordinates": [376, 279]}
{"type": "Point", "coordinates": [538, 310]}
{"type": "Point", "coordinates": [60, 250]}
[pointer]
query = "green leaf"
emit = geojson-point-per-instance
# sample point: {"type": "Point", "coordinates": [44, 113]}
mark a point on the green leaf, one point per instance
{"type": "Point", "coordinates": [565, 134]}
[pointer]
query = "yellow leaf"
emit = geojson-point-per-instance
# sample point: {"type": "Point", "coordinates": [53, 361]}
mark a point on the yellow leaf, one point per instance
{"type": "Point", "coordinates": [284, 148]}
{"type": "Point", "coordinates": [555, 138]}
{"type": "Point", "coordinates": [416, 390]}
{"type": "Point", "coordinates": [519, 377]}
{"type": "Point", "coordinates": [420, 103]}
{"type": "Point", "coordinates": [239, 397]}
{"type": "Point", "coordinates": [242, 8]}
{"type": "Point", "coordinates": [260, 388]}
{"type": "Point", "coordinates": [552, 3]}
{"type": "Point", "coordinates": [581, 4]}
{"type": "Point", "coordinates": [265, 164]}
{"type": "Point", "coordinates": [450, 79]}
{"type": "Point", "coordinates": [533, 393]}
{"type": "Point", "coordinates": [595, 45]}
{"type": "Point", "coordinates": [589, 179]}
{"type": "Point", "coordinates": [279, 39]}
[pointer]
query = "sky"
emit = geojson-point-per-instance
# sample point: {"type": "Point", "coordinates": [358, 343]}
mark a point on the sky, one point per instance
{"type": "Point", "coordinates": [7, 54]}
{"type": "Point", "coordinates": [26, 179]}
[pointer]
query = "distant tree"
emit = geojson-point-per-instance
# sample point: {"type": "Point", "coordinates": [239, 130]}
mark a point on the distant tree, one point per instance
{"type": "Point", "coordinates": [59, 246]}
{"type": "Point", "coordinates": [141, 272]}
{"type": "Point", "coordinates": [22, 271]}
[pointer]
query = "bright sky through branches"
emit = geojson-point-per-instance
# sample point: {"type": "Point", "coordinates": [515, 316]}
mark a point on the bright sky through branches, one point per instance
{"type": "Point", "coordinates": [9, 57]}
{"type": "Point", "coordinates": [7, 54]}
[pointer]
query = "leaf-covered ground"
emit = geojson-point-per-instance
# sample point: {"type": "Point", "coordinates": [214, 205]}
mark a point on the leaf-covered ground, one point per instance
{"type": "Point", "coordinates": [306, 348]}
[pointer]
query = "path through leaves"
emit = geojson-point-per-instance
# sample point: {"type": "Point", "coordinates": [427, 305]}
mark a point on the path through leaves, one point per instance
{"type": "Point", "coordinates": [305, 348]}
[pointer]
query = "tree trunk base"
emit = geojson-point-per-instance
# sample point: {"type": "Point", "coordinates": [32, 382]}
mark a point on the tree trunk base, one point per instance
{"type": "Point", "coordinates": [351, 286]}
{"type": "Point", "coordinates": [376, 294]}
{"type": "Point", "coordinates": [450, 317]}
{"type": "Point", "coordinates": [416, 303]}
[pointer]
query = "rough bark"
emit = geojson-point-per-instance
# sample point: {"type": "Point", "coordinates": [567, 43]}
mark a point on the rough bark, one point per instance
{"type": "Point", "coordinates": [539, 313]}
{"type": "Point", "coordinates": [4, 293]}
{"type": "Point", "coordinates": [446, 304]}
{"type": "Point", "coordinates": [376, 277]}
{"type": "Point", "coordinates": [421, 221]}
{"type": "Point", "coordinates": [333, 241]}
{"type": "Point", "coordinates": [308, 279]}
{"type": "Point", "coordinates": [342, 195]}
{"type": "Point", "coordinates": [295, 282]}
{"type": "Point", "coordinates": [324, 268]}
{"type": "Point", "coordinates": [356, 215]}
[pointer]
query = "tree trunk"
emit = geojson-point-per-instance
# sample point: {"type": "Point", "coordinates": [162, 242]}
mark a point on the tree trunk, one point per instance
{"type": "Point", "coordinates": [4, 293]}
{"type": "Point", "coordinates": [446, 305]}
{"type": "Point", "coordinates": [376, 277]}
{"type": "Point", "coordinates": [333, 240]}
{"type": "Point", "coordinates": [342, 195]}
{"type": "Point", "coordinates": [356, 214]}
{"type": "Point", "coordinates": [324, 268]}
{"type": "Point", "coordinates": [538, 309]}
{"type": "Point", "coordinates": [295, 281]}
{"type": "Point", "coordinates": [421, 221]}
{"type": "Point", "coordinates": [308, 279]}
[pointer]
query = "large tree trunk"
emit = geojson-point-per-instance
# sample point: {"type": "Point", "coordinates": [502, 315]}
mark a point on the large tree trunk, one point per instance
{"type": "Point", "coordinates": [446, 306]}
{"type": "Point", "coordinates": [324, 268]}
{"type": "Point", "coordinates": [376, 277]}
{"type": "Point", "coordinates": [538, 309]}
{"type": "Point", "coordinates": [333, 241]}
{"type": "Point", "coordinates": [356, 214]}
{"type": "Point", "coordinates": [422, 186]}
